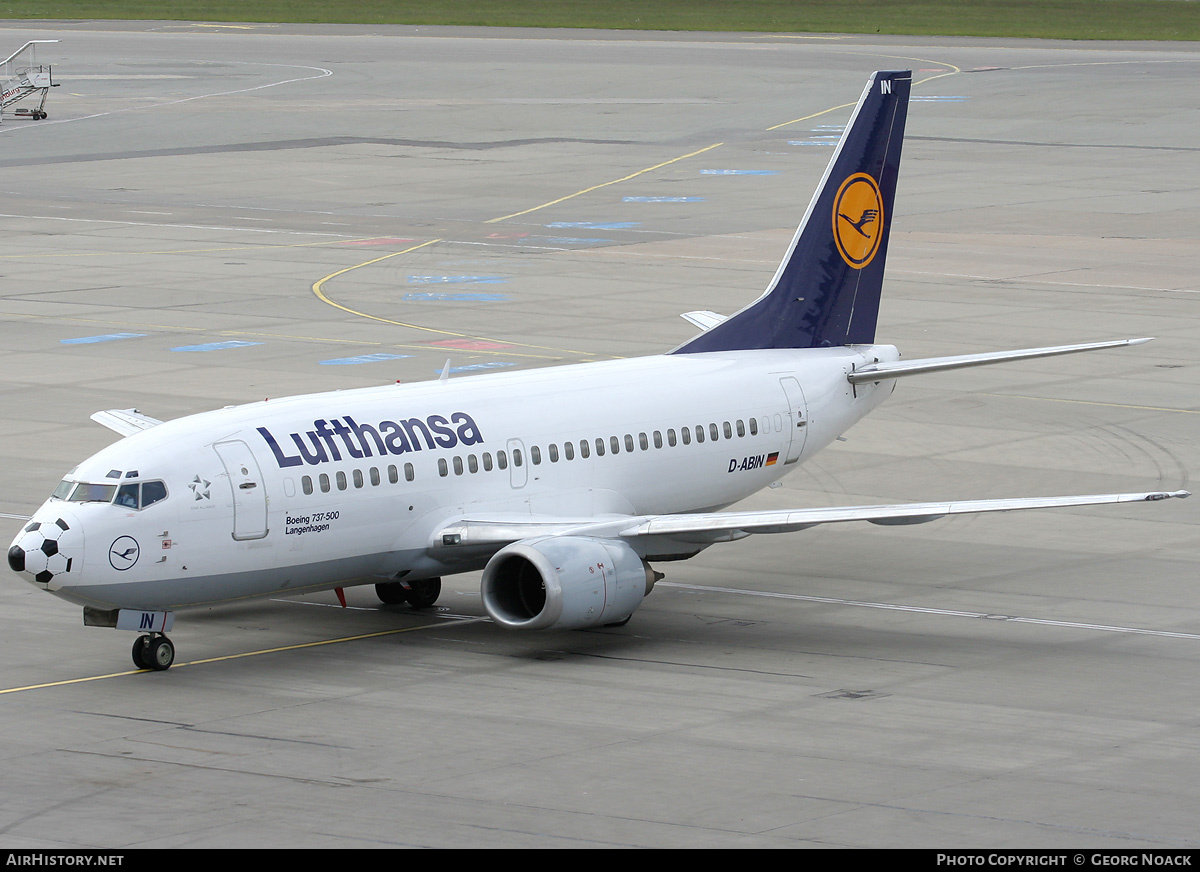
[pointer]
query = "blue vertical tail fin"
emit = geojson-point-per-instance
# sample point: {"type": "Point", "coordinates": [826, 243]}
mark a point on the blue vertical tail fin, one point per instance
{"type": "Point", "coordinates": [826, 292]}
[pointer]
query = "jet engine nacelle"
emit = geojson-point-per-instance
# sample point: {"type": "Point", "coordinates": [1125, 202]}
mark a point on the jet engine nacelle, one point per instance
{"type": "Point", "coordinates": [567, 583]}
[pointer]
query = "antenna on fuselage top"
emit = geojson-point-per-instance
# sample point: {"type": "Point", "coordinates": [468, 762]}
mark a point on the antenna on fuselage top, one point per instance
{"type": "Point", "coordinates": [445, 376]}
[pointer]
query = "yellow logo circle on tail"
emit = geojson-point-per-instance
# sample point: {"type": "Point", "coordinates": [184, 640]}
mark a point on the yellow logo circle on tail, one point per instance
{"type": "Point", "coordinates": [858, 219]}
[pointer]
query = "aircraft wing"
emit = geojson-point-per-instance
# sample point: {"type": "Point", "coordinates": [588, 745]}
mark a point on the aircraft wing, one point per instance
{"type": "Point", "coordinates": [709, 527]}
{"type": "Point", "coordinates": [724, 526]}
{"type": "Point", "coordinates": [125, 421]}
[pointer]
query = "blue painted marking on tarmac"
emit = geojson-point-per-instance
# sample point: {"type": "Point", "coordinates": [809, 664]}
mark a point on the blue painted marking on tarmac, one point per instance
{"type": "Point", "coordinates": [941, 99]}
{"type": "Point", "coordinates": [597, 225]}
{"type": "Point", "coordinates": [739, 172]}
{"type": "Point", "coordinates": [453, 298]}
{"type": "Point", "coordinates": [456, 280]}
{"type": "Point", "coordinates": [363, 358]}
{"type": "Point", "coordinates": [812, 142]}
{"type": "Point", "coordinates": [215, 346]}
{"type": "Point", "coordinates": [662, 199]}
{"type": "Point", "coordinates": [570, 240]}
{"type": "Point", "coordinates": [476, 367]}
{"type": "Point", "coordinates": [107, 337]}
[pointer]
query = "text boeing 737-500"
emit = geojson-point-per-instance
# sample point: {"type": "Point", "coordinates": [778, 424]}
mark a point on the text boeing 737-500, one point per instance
{"type": "Point", "coordinates": [563, 484]}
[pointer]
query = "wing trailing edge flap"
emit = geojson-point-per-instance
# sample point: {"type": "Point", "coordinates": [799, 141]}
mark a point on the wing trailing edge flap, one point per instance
{"type": "Point", "coordinates": [707, 528]}
{"type": "Point", "coordinates": [881, 371]}
{"type": "Point", "coordinates": [125, 421]}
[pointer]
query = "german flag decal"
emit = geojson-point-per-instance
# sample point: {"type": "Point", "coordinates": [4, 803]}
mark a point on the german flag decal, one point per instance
{"type": "Point", "coordinates": [858, 219]}
{"type": "Point", "coordinates": [772, 457]}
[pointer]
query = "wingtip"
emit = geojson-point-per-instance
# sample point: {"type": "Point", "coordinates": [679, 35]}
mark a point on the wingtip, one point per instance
{"type": "Point", "coordinates": [1166, 495]}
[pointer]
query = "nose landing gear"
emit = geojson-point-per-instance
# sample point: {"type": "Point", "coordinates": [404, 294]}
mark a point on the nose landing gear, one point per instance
{"type": "Point", "coordinates": [153, 651]}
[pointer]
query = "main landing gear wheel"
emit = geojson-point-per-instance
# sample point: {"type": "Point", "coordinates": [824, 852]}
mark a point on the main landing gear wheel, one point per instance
{"type": "Point", "coordinates": [391, 593]}
{"type": "Point", "coordinates": [419, 594]}
{"type": "Point", "coordinates": [423, 594]}
{"type": "Point", "coordinates": [153, 652]}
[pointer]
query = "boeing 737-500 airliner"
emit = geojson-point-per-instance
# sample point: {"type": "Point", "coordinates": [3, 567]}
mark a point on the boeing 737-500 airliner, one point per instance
{"type": "Point", "coordinates": [563, 484]}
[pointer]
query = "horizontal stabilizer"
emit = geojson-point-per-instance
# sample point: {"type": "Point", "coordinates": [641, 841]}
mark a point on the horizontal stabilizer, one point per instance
{"type": "Point", "coordinates": [882, 371]}
{"type": "Point", "coordinates": [704, 319]}
{"type": "Point", "coordinates": [125, 421]}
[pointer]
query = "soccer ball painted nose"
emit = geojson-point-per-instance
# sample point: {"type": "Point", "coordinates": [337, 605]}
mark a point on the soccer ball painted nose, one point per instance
{"type": "Point", "coordinates": [46, 548]}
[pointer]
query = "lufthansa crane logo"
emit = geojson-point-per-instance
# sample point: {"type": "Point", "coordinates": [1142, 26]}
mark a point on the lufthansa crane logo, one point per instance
{"type": "Point", "coordinates": [858, 220]}
{"type": "Point", "coordinates": [123, 553]}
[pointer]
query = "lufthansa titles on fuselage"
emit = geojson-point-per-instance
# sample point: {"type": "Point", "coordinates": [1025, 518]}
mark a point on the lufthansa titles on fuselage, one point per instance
{"type": "Point", "coordinates": [333, 439]}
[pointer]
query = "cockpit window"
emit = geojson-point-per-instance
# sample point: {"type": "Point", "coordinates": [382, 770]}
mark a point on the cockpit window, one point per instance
{"type": "Point", "coordinates": [127, 496]}
{"type": "Point", "coordinates": [135, 495]}
{"type": "Point", "coordinates": [151, 492]}
{"type": "Point", "coordinates": [92, 493]}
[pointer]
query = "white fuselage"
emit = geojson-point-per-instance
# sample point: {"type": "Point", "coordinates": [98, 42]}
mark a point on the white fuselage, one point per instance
{"type": "Point", "coordinates": [333, 489]}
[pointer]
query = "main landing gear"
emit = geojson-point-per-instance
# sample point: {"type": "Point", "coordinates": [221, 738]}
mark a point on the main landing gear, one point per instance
{"type": "Point", "coordinates": [154, 651]}
{"type": "Point", "coordinates": [418, 594]}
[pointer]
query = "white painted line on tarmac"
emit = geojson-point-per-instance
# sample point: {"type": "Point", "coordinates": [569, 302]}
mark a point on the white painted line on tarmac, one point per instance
{"type": "Point", "coordinates": [955, 613]}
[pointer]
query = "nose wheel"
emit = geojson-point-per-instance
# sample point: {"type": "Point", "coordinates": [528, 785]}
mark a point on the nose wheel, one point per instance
{"type": "Point", "coordinates": [155, 652]}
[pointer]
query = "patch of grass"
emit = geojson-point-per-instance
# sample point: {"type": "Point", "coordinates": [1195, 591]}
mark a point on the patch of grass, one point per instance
{"type": "Point", "coordinates": [1052, 19]}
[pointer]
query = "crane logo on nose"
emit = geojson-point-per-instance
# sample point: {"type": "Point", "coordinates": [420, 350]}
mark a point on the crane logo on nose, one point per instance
{"type": "Point", "coordinates": [123, 553]}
